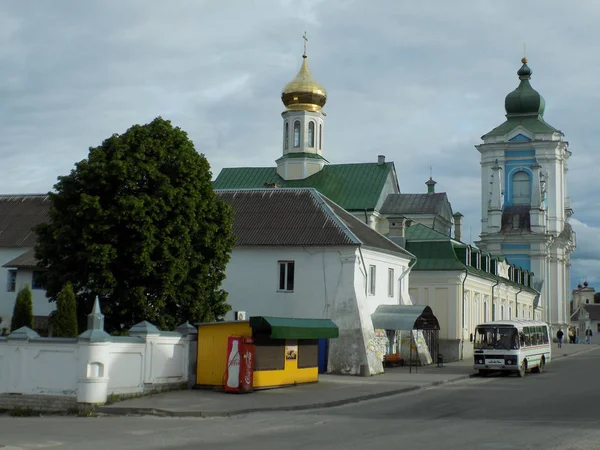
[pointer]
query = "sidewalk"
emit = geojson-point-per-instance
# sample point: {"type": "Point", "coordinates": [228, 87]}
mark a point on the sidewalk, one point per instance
{"type": "Point", "coordinates": [330, 391]}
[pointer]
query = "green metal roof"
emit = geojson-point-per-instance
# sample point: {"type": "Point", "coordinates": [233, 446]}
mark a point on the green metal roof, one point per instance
{"type": "Point", "coordinates": [420, 232]}
{"type": "Point", "coordinates": [355, 187]}
{"type": "Point", "coordinates": [535, 124]}
{"type": "Point", "coordinates": [287, 328]}
{"type": "Point", "coordinates": [434, 255]}
{"type": "Point", "coordinates": [524, 106]}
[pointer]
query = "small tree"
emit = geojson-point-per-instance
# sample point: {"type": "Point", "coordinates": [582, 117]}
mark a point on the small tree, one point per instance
{"type": "Point", "coordinates": [23, 310]}
{"type": "Point", "coordinates": [64, 320]}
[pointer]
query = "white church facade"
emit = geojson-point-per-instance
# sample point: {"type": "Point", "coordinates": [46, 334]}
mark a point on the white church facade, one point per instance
{"type": "Point", "coordinates": [525, 204]}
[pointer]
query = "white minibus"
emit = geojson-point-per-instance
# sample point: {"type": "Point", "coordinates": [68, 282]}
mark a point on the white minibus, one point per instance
{"type": "Point", "coordinates": [512, 346]}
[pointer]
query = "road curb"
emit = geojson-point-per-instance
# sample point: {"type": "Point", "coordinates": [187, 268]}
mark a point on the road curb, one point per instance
{"type": "Point", "coordinates": [117, 411]}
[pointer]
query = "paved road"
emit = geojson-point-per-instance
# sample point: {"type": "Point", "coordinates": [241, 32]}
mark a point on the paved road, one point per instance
{"type": "Point", "coordinates": [559, 410]}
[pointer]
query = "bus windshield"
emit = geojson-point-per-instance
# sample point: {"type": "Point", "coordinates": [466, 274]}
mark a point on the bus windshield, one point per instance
{"type": "Point", "coordinates": [505, 338]}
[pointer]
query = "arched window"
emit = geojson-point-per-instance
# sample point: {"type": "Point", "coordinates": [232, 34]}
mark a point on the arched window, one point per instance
{"type": "Point", "coordinates": [320, 136]}
{"type": "Point", "coordinates": [286, 137]}
{"type": "Point", "coordinates": [297, 133]}
{"type": "Point", "coordinates": [510, 312]}
{"type": "Point", "coordinates": [311, 134]}
{"type": "Point", "coordinates": [485, 312]}
{"type": "Point", "coordinates": [521, 186]}
{"type": "Point", "coordinates": [501, 312]}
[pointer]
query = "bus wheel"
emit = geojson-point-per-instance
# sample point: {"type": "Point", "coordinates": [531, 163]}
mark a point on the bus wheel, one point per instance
{"type": "Point", "coordinates": [522, 369]}
{"type": "Point", "coordinates": [540, 368]}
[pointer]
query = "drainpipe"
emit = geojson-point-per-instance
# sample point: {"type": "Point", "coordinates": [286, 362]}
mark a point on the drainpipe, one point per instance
{"type": "Point", "coordinates": [517, 302]}
{"type": "Point", "coordinates": [462, 338]}
{"type": "Point", "coordinates": [494, 309]}
{"type": "Point", "coordinates": [406, 272]}
{"type": "Point", "coordinates": [366, 271]}
{"type": "Point", "coordinates": [366, 217]}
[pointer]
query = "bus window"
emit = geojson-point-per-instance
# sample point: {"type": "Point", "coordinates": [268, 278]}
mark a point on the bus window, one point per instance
{"type": "Point", "coordinates": [507, 338]}
{"type": "Point", "coordinates": [523, 339]}
{"type": "Point", "coordinates": [484, 338]}
{"type": "Point", "coordinates": [545, 334]}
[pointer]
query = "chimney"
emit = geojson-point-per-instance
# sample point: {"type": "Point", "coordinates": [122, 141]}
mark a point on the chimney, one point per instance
{"type": "Point", "coordinates": [457, 225]}
{"type": "Point", "coordinates": [397, 230]}
{"type": "Point", "coordinates": [430, 186]}
{"type": "Point", "coordinates": [380, 160]}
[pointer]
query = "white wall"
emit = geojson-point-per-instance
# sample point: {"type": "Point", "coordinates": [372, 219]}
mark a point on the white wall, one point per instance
{"type": "Point", "coordinates": [41, 306]}
{"type": "Point", "coordinates": [383, 262]}
{"type": "Point", "coordinates": [55, 366]}
{"type": "Point", "coordinates": [252, 280]}
{"type": "Point", "coordinates": [443, 292]}
{"type": "Point", "coordinates": [7, 299]}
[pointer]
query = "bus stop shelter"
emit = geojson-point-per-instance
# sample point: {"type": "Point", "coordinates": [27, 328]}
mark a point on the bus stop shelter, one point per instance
{"type": "Point", "coordinates": [410, 318]}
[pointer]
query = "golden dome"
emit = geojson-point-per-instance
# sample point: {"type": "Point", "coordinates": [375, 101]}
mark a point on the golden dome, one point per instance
{"type": "Point", "coordinates": [303, 92]}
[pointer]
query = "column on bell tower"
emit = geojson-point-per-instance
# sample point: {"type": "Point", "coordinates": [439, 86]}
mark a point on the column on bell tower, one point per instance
{"type": "Point", "coordinates": [537, 214]}
{"type": "Point", "coordinates": [303, 125]}
{"type": "Point", "coordinates": [495, 205]}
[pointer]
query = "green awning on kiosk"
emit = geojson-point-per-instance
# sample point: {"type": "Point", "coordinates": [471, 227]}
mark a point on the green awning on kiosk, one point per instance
{"type": "Point", "coordinates": [285, 328]}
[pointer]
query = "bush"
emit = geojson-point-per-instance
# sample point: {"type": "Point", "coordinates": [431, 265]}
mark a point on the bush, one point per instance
{"type": "Point", "coordinates": [64, 320]}
{"type": "Point", "coordinates": [23, 311]}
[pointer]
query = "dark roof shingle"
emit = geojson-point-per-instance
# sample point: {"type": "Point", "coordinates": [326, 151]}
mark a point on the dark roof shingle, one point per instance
{"type": "Point", "coordinates": [414, 203]}
{"type": "Point", "coordinates": [298, 217]}
{"type": "Point", "coordinates": [26, 260]}
{"type": "Point", "coordinates": [18, 215]}
{"type": "Point", "coordinates": [283, 217]}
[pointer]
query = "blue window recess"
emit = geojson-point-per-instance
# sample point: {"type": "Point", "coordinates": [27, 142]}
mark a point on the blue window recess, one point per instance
{"type": "Point", "coordinates": [520, 138]}
{"type": "Point", "coordinates": [511, 169]}
{"type": "Point", "coordinates": [521, 260]}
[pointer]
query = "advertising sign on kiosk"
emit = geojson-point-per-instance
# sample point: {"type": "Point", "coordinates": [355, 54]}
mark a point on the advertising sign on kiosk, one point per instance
{"type": "Point", "coordinates": [239, 374]}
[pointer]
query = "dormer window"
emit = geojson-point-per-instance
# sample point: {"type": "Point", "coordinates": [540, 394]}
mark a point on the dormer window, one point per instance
{"type": "Point", "coordinates": [488, 266]}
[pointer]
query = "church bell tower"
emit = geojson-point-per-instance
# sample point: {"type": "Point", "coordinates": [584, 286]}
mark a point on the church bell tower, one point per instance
{"type": "Point", "coordinates": [303, 125]}
{"type": "Point", "coordinates": [525, 207]}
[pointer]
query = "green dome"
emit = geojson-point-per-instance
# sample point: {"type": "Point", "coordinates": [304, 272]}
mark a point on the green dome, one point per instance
{"type": "Point", "coordinates": [524, 99]}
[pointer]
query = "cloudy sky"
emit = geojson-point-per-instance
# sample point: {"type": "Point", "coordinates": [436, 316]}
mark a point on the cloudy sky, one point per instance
{"type": "Point", "coordinates": [419, 82]}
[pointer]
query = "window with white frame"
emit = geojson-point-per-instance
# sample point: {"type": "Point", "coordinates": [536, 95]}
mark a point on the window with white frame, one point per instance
{"type": "Point", "coordinates": [286, 276]}
{"type": "Point", "coordinates": [372, 279]}
{"type": "Point", "coordinates": [390, 282]}
{"type": "Point", "coordinates": [11, 281]}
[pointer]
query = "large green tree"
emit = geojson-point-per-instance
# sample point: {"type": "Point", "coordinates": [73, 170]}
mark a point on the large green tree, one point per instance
{"type": "Point", "coordinates": [64, 319]}
{"type": "Point", "coordinates": [23, 310]}
{"type": "Point", "coordinates": [138, 224]}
